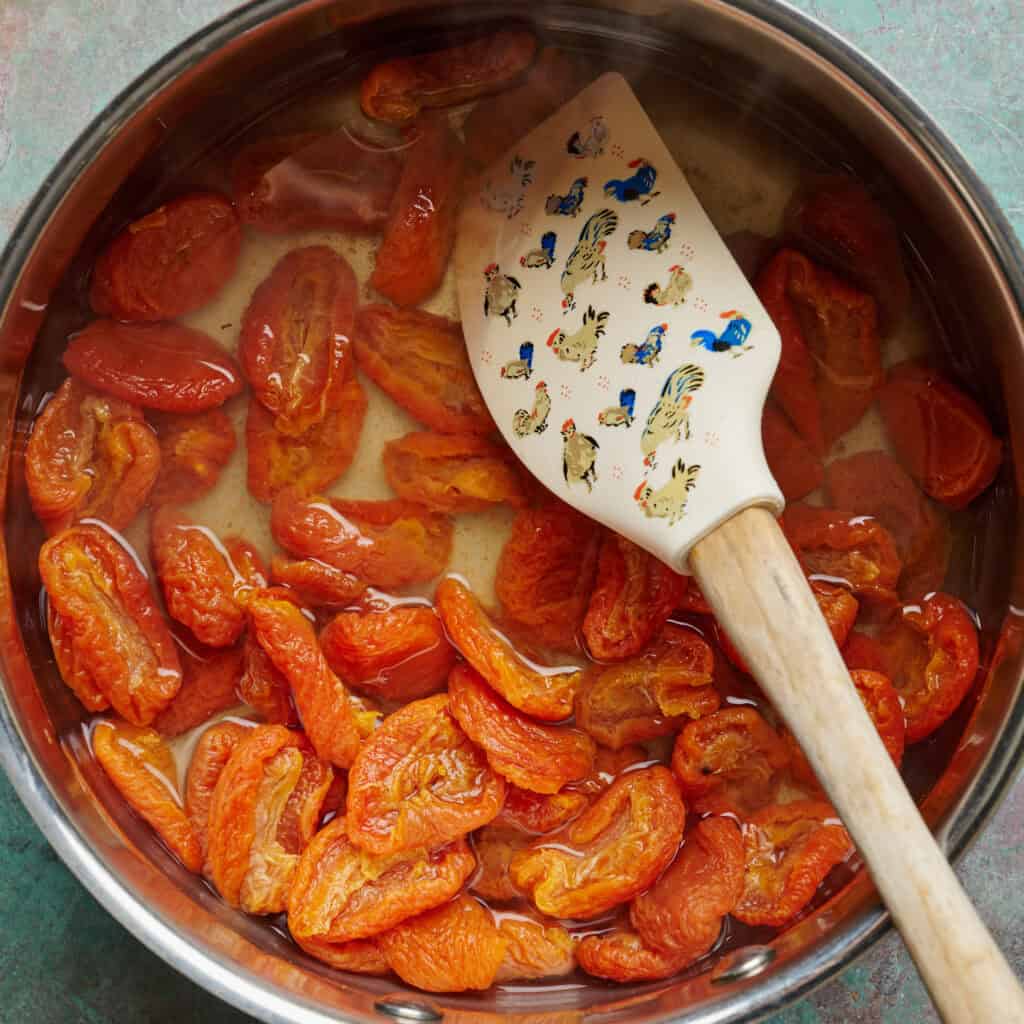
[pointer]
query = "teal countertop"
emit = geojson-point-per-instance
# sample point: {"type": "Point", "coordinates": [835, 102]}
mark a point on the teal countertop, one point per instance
{"type": "Point", "coordinates": [62, 958]}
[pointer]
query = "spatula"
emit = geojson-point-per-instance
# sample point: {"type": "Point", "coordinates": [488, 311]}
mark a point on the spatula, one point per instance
{"type": "Point", "coordinates": [626, 360]}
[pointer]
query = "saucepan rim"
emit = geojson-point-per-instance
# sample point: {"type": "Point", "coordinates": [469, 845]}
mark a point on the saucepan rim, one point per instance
{"type": "Point", "coordinates": [255, 995]}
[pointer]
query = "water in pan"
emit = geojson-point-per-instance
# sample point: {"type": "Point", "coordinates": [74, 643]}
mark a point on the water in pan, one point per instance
{"type": "Point", "coordinates": [743, 171]}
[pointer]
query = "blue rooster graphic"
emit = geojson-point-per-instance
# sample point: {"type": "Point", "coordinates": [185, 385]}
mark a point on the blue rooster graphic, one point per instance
{"type": "Point", "coordinates": [648, 352]}
{"type": "Point", "coordinates": [638, 186]}
{"type": "Point", "coordinates": [521, 367]}
{"type": "Point", "coordinates": [732, 339]}
{"type": "Point", "coordinates": [544, 256]}
{"type": "Point", "coordinates": [571, 203]}
{"type": "Point", "coordinates": [655, 240]}
{"type": "Point", "coordinates": [620, 415]}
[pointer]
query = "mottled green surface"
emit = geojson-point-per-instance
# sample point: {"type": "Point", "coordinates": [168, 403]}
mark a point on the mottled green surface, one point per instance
{"type": "Point", "coordinates": [62, 958]}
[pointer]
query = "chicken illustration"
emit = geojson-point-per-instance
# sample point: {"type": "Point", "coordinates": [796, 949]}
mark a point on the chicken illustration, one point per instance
{"type": "Point", "coordinates": [732, 339]}
{"type": "Point", "coordinates": [521, 367]}
{"type": "Point", "coordinates": [507, 196]}
{"type": "Point", "coordinates": [586, 261]}
{"type": "Point", "coordinates": [637, 186]}
{"type": "Point", "coordinates": [571, 203]}
{"type": "Point", "coordinates": [669, 500]}
{"type": "Point", "coordinates": [620, 415]}
{"type": "Point", "coordinates": [648, 352]}
{"type": "Point", "coordinates": [500, 294]}
{"type": "Point", "coordinates": [534, 421]}
{"type": "Point", "coordinates": [542, 257]}
{"type": "Point", "coordinates": [579, 456]}
{"type": "Point", "coordinates": [581, 346]}
{"type": "Point", "coordinates": [657, 238]}
{"type": "Point", "coordinates": [674, 293]}
{"type": "Point", "coordinates": [670, 417]}
{"type": "Point", "coordinates": [593, 144]}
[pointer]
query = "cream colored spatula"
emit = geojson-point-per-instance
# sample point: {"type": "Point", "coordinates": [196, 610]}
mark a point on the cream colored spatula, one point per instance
{"type": "Point", "coordinates": [626, 360]}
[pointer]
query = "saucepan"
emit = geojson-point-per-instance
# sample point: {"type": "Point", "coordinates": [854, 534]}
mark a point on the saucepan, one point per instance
{"type": "Point", "coordinates": [766, 64]}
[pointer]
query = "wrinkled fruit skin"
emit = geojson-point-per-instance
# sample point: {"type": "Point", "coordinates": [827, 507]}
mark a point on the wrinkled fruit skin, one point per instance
{"type": "Point", "coordinates": [419, 781]}
{"type": "Point", "coordinates": [170, 262]}
{"type": "Point", "coordinates": [289, 641]}
{"type": "Point", "coordinates": [623, 956]}
{"type": "Point", "coordinates": [141, 766]}
{"type": "Point", "coordinates": [535, 949]}
{"type": "Point", "coordinates": [316, 583]}
{"type": "Point", "coordinates": [111, 630]}
{"type": "Point", "coordinates": [89, 456]}
{"type": "Point", "coordinates": [265, 809]}
{"type": "Point", "coordinates": [295, 337]}
{"type": "Point", "coordinates": [398, 89]}
{"type": "Point", "coordinates": [193, 453]}
{"type": "Point", "coordinates": [162, 366]}
{"type": "Point", "coordinates": [542, 758]}
{"type": "Point", "coordinates": [632, 830]}
{"type": "Point", "coordinates": [789, 849]}
{"type": "Point", "coordinates": [209, 685]}
{"type": "Point", "coordinates": [420, 361]}
{"type": "Point", "coordinates": [796, 468]}
{"type": "Point", "coordinates": [451, 949]}
{"type": "Point", "coordinates": [547, 696]}
{"type": "Point", "coordinates": [399, 654]}
{"type": "Point", "coordinates": [341, 893]}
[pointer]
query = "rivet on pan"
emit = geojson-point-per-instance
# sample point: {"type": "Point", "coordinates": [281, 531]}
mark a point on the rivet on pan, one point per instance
{"type": "Point", "coordinates": [407, 1009]}
{"type": "Point", "coordinates": [744, 963]}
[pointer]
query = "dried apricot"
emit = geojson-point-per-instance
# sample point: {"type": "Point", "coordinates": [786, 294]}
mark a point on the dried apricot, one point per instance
{"type": "Point", "coordinates": [863, 651]}
{"type": "Point", "coordinates": [163, 366]}
{"type": "Point", "coordinates": [610, 853]}
{"type": "Point", "coordinates": [384, 543]}
{"type": "Point", "coordinates": [420, 361]}
{"type": "Point", "coordinates": [142, 768]}
{"type": "Point", "coordinates": [682, 913]}
{"type": "Point", "coordinates": [940, 434]}
{"type": "Point", "coordinates": [874, 484]}
{"type": "Point", "coordinates": [361, 956]}
{"type": "Point", "coordinates": [419, 781]}
{"type": "Point", "coordinates": [623, 956]}
{"type": "Point", "coordinates": [294, 341]}
{"type": "Point", "coordinates": [835, 218]}
{"type": "Point", "coordinates": [170, 262]}
{"type": "Point", "coordinates": [262, 686]}
{"type": "Point", "coordinates": [545, 694]}
{"type": "Point", "coordinates": [89, 455]}
{"type": "Point", "coordinates": [495, 846]}
{"type": "Point", "coordinates": [546, 572]}
{"type": "Point", "coordinates": [111, 628]}
{"type": "Point", "coordinates": [649, 695]}
{"type": "Point", "coordinates": [310, 182]}
{"type": "Point", "coordinates": [728, 762]}
{"type": "Point", "coordinates": [632, 599]}
{"type": "Point", "coordinates": [209, 758]}
{"type": "Point", "coordinates": [537, 813]}
{"type": "Point", "coordinates": [316, 583]}
{"type": "Point", "coordinates": [341, 893]}
{"type": "Point", "coordinates": [203, 587]}
{"type": "Point", "coordinates": [398, 89]}
{"type": "Point", "coordinates": [536, 949]}
{"type": "Point", "coordinates": [264, 811]}
{"type": "Point", "coordinates": [453, 472]}
{"type": "Point", "coordinates": [312, 460]}
{"type": "Point", "coordinates": [608, 766]}
{"type": "Point", "coordinates": [452, 948]}
{"type": "Point", "coordinates": [789, 849]}
{"type": "Point", "coordinates": [193, 452]}
{"type": "Point", "coordinates": [857, 552]}
{"type": "Point", "coordinates": [542, 758]}
{"type": "Point", "coordinates": [931, 653]}
{"type": "Point", "coordinates": [399, 654]}
{"type": "Point", "coordinates": [830, 367]}
{"type": "Point", "coordinates": [289, 640]}
{"type": "Point", "coordinates": [70, 666]}
{"type": "Point", "coordinates": [209, 685]}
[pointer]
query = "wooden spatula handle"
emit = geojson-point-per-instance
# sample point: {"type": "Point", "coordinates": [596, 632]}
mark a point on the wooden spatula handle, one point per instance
{"type": "Point", "coordinates": [758, 592]}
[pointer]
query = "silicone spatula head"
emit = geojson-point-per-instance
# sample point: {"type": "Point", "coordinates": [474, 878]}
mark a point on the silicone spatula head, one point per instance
{"type": "Point", "coordinates": [620, 349]}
